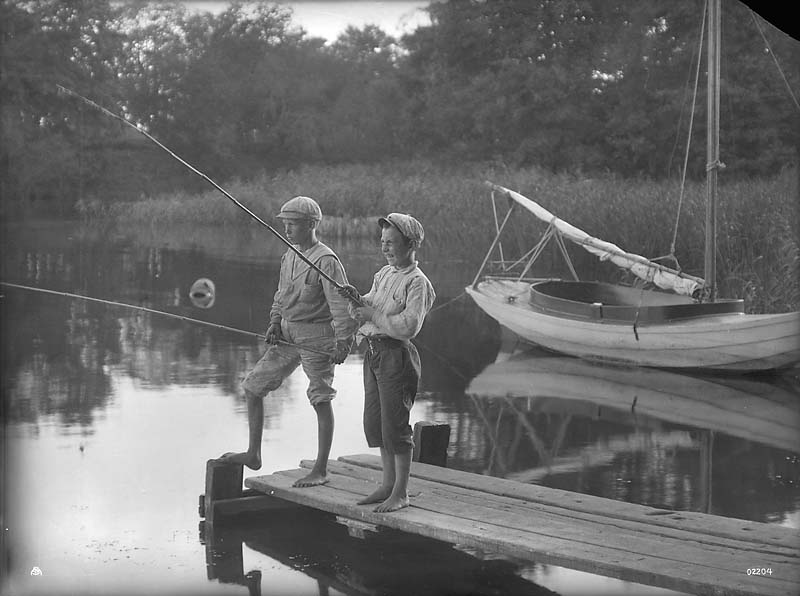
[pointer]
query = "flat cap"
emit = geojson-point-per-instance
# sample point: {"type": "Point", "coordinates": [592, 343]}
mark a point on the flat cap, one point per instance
{"type": "Point", "coordinates": [405, 224]}
{"type": "Point", "coordinates": [301, 208]}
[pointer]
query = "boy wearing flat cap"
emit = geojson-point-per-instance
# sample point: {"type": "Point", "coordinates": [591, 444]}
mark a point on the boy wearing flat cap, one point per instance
{"type": "Point", "coordinates": [392, 314]}
{"type": "Point", "coordinates": [307, 312]}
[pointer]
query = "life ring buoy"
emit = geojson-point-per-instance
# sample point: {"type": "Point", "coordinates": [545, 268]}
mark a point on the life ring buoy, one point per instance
{"type": "Point", "coordinates": [203, 293]}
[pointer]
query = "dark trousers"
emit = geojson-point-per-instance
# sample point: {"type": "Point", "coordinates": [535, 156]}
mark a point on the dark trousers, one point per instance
{"type": "Point", "coordinates": [391, 379]}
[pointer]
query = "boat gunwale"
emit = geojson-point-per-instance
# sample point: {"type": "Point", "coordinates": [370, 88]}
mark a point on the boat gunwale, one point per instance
{"type": "Point", "coordinates": [743, 320]}
{"type": "Point", "coordinates": [641, 311]}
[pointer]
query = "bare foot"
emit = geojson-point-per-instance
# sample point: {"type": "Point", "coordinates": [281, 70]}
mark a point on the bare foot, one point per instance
{"type": "Point", "coordinates": [392, 504]}
{"type": "Point", "coordinates": [252, 461]}
{"type": "Point", "coordinates": [380, 495]}
{"type": "Point", "coordinates": [312, 479]}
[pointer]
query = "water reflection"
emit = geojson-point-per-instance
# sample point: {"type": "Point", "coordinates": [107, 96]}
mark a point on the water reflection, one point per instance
{"type": "Point", "coordinates": [58, 350]}
{"type": "Point", "coordinates": [95, 396]}
{"type": "Point", "coordinates": [646, 436]}
{"type": "Point", "coordinates": [374, 563]}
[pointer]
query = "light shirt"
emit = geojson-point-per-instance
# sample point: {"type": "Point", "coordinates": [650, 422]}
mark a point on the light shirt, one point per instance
{"type": "Point", "coordinates": [401, 299]}
{"type": "Point", "coordinates": [304, 296]}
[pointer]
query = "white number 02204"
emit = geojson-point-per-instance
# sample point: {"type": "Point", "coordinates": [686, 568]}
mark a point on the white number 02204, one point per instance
{"type": "Point", "coordinates": [759, 571]}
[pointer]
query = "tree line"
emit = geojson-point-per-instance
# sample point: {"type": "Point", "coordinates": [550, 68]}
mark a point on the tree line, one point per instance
{"type": "Point", "coordinates": [585, 86]}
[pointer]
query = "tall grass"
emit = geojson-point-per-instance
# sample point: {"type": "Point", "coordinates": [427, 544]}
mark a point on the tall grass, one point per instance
{"type": "Point", "coordinates": [758, 237]}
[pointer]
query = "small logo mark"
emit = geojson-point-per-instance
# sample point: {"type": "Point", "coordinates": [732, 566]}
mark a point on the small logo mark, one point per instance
{"type": "Point", "coordinates": [36, 571]}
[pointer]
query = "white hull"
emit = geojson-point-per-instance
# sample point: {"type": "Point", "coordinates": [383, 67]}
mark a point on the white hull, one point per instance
{"type": "Point", "coordinates": [729, 342]}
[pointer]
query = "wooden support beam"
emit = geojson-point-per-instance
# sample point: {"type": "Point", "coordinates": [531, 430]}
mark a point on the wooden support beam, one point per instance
{"type": "Point", "coordinates": [223, 481]}
{"type": "Point", "coordinates": [224, 498]}
{"type": "Point", "coordinates": [250, 502]}
{"type": "Point", "coordinates": [357, 528]}
{"type": "Point", "coordinates": [431, 440]}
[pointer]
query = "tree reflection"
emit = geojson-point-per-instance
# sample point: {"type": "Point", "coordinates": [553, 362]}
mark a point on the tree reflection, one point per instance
{"type": "Point", "coordinates": [53, 360]}
{"type": "Point", "coordinates": [570, 429]}
{"type": "Point", "coordinates": [59, 354]}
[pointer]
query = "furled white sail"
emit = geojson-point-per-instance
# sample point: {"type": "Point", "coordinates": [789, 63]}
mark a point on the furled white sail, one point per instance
{"type": "Point", "coordinates": [663, 277]}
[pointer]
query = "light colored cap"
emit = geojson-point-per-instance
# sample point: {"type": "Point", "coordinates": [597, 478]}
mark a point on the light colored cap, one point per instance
{"type": "Point", "coordinates": [405, 224]}
{"type": "Point", "coordinates": [301, 208]}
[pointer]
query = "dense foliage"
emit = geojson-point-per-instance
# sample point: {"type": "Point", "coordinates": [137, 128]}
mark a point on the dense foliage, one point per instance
{"type": "Point", "coordinates": [582, 86]}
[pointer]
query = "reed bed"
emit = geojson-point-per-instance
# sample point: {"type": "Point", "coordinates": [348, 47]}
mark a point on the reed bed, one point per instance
{"type": "Point", "coordinates": [758, 233]}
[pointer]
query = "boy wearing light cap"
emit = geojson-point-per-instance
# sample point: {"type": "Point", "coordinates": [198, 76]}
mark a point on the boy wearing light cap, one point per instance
{"type": "Point", "coordinates": [391, 314]}
{"type": "Point", "coordinates": [307, 311]}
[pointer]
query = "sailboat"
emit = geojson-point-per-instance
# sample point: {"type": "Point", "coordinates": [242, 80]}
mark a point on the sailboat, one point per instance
{"type": "Point", "coordinates": [680, 325]}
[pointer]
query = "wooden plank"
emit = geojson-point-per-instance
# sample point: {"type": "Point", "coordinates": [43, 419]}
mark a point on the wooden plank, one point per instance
{"type": "Point", "coordinates": [685, 520]}
{"type": "Point", "coordinates": [512, 512]}
{"type": "Point", "coordinates": [748, 534]}
{"type": "Point", "coordinates": [357, 528]}
{"type": "Point", "coordinates": [339, 495]}
{"type": "Point", "coordinates": [472, 505]}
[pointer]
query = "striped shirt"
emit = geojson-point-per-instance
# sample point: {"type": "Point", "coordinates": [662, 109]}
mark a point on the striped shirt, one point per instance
{"type": "Point", "coordinates": [401, 299]}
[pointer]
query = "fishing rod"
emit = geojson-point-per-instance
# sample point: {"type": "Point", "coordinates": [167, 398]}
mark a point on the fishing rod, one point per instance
{"type": "Point", "coordinates": [161, 312]}
{"type": "Point", "coordinates": [235, 201]}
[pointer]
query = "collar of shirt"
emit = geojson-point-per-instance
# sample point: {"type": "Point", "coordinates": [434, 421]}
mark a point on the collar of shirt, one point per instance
{"type": "Point", "coordinates": [304, 267]}
{"type": "Point", "coordinates": [407, 269]}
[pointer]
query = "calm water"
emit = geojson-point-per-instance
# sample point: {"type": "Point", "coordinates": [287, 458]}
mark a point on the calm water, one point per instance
{"type": "Point", "coordinates": [111, 413]}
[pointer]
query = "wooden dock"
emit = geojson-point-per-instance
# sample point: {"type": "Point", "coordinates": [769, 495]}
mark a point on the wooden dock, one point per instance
{"type": "Point", "coordinates": [684, 551]}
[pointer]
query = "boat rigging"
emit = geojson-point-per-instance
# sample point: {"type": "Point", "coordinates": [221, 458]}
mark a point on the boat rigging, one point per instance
{"type": "Point", "coordinates": [690, 328]}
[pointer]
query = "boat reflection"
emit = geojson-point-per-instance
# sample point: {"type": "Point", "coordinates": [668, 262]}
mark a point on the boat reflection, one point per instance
{"type": "Point", "coordinates": [756, 410]}
{"type": "Point", "coordinates": [565, 422]}
{"type": "Point", "coordinates": [341, 560]}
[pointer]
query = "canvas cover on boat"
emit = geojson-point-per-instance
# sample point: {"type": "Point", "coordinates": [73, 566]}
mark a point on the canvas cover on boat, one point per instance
{"type": "Point", "coordinates": [664, 277]}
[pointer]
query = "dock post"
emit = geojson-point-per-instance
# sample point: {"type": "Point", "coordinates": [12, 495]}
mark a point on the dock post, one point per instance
{"type": "Point", "coordinates": [225, 499]}
{"type": "Point", "coordinates": [430, 443]}
{"type": "Point", "coordinates": [223, 481]}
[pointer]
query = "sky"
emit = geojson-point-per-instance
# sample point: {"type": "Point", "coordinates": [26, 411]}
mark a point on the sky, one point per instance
{"type": "Point", "coordinates": [329, 18]}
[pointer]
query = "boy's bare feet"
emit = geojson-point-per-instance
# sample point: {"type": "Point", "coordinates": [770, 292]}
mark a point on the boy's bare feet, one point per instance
{"type": "Point", "coordinates": [312, 479]}
{"type": "Point", "coordinates": [392, 504]}
{"type": "Point", "coordinates": [380, 495]}
{"type": "Point", "coordinates": [252, 461]}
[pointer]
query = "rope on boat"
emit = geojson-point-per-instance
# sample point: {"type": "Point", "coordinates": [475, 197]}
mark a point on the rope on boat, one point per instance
{"type": "Point", "coordinates": [775, 59]}
{"type": "Point", "coordinates": [673, 244]}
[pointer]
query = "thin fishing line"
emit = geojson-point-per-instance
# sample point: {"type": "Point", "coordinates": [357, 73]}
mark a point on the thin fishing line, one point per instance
{"type": "Point", "coordinates": [236, 202]}
{"type": "Point", "coordinates": [435, 308]}
{"type": "Point", "coordinates": [159, 312]}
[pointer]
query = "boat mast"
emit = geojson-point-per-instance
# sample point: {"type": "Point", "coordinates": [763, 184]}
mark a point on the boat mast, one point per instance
{"type": "Point", "coordinates": [712, 146]}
